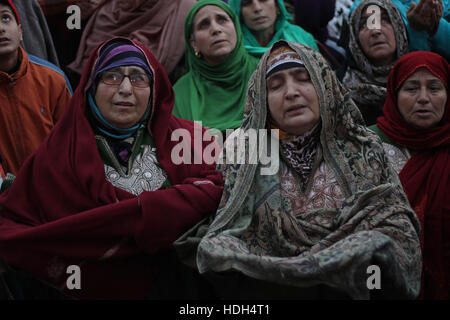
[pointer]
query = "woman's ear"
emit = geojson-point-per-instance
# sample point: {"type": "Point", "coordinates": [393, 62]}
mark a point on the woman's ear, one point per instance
{"type": "Point", "coordinates": [20, 32]}
{"type": "Point", "coordinates": [194, 46]}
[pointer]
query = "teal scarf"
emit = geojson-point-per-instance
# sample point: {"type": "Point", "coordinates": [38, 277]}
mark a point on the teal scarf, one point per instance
{"type": "Point", "coordinates": [284, 30]}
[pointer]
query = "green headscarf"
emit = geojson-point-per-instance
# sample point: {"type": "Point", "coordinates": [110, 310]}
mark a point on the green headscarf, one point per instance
{"type": "Point", "coordinates": [214, 94]}
{"type": "Point", "coordinates": [284, 30]}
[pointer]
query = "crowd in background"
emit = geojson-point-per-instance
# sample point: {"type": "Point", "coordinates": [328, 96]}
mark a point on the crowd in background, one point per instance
{"type": "Point", "coordinates": [356, 89]}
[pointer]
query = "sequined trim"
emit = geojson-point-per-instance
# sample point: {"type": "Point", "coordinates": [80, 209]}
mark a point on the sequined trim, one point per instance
{"type": "Point", "coordinates": [144, 175]}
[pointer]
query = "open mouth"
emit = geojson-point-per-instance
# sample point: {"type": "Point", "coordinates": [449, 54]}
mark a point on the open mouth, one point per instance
{"type": "Point", "coordinates": [4, 40]}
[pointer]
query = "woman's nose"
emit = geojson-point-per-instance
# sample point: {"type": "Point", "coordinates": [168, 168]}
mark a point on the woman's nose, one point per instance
{"type": "Point", "coordinates": [256, 6]}
{"type": "Point", "coordinates": [292, 90]}
{"type": "Point", "coordinates": [423, 96]}
{"type": "Point", "coordinates": [125, 86]}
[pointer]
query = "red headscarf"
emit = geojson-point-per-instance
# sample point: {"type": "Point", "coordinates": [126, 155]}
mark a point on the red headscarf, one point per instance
{"type": "Point", "coordinates": [62, 211]}
{"type": "Point", "coordinates": [426, 176]}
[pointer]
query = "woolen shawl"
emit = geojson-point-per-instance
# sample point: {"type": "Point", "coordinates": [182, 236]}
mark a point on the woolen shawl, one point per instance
{"type": "Point", "coordinates": [37, 39]}
{"type": "Point", "coordinates": [157, 24]}
{"type": "Point", "coordinates": [284, 30]}
{"type": "Point", "coordinates": [214, 94]}
{"type": "Point", "coordinates": [62, 211]}
{"type": "Point", "coordinates": [366, 82]}
{"type": "Point", "coordinates": [426, 175]}
{"type": "Point", "coordinates": [256, 233]}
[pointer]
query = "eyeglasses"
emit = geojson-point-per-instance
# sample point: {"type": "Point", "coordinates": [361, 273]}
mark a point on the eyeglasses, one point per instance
{"type": "Point", "coordinates": [138, 80]}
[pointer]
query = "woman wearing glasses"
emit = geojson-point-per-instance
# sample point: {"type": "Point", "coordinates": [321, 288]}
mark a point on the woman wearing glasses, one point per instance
{"type": "Point", "coordinates": [102, 193]}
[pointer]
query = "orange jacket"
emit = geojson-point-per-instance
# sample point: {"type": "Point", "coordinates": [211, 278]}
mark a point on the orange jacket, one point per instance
{"type": "Point", "coordinates": [31, 101]}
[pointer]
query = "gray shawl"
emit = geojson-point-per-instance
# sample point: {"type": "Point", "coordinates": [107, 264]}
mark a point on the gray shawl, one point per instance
{"type": "Point", "coordinates": [366, 82]}
{"type": "Point", "coordinates": [255, 232]}
{"type": "Point", "coordinates": [37, 39]}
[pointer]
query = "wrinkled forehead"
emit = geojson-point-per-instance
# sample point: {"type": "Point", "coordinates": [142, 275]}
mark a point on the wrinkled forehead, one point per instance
{"type": "Point", "coordinates": [422, 74]}
{"type": "Point", "coordinates": [208, 12]}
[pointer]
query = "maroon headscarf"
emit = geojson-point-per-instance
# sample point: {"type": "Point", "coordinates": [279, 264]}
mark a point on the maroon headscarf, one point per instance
{"type": "Point", "coordinates": [62, 211]}
{"type": "Point", "coordinates": [426, 176]}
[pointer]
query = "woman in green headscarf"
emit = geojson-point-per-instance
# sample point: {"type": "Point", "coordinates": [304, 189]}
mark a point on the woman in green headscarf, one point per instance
{"type": "Point", "coordinates": [213, 90]}
{"type": "Point", "coordinates": [265, 22]}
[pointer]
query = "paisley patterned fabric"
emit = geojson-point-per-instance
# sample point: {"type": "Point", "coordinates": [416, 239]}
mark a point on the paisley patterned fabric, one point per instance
{"type": "Point", "coordinates": [325, 192]}
{"type": "Point", "coordinates": [366, 82]}
{"type": "Point", "coordinates": [258, 231]}
{"type": "Point", "coordinates": [397, 157]}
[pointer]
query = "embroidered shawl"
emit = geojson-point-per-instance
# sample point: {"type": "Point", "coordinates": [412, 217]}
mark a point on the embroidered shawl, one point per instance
{"type": "Point", "coordinates": [255, 232]}
{"type": "Point", "coordinates": [61, 210]}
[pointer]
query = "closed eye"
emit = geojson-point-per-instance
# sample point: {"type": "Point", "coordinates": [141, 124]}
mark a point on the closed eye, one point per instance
{"type": "Point", "coordinates": [275, 87]}
{"type": "Point", "coordinates": [303, 77]}
{"type": "Point", "coordinates": [275, 84]}
{"type": "Point", "coordinates": [435, 88]}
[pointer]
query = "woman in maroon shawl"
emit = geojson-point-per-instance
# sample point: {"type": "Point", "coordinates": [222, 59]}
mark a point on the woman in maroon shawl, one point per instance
{"type": "Point", "coordinates": [415, 130]}
{"type": "Point", "coordinates": [158, 24]}
{"type": "Point", "coordinates": [102, 192]}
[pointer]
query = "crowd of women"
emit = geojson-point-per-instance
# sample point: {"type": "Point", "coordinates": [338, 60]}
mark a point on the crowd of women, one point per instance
{"type": "Point", "coordinates": [362, 126]}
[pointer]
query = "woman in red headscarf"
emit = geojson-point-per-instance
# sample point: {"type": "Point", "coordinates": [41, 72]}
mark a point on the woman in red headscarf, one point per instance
{"type": "Point", "coordinates": [415, 130]}
{"type": "Point", "coordinates": [103, 196]}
